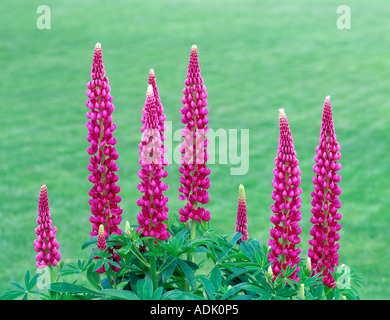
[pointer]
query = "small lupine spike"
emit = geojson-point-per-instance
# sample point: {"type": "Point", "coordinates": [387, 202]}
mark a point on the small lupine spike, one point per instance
{"type": "Point", "coordinates": [325, 201]}
{"type": "Point", "coordinates": [101, 244]}
{"type": "Point", "coordinates": [301, 291]}
{"type": "Point", "coordinates": [154, 210]}
{"type": "Point", "coordinates": [286, 194]}
{"type": "Point", "coordinates": [195, 180]}
{"type": "Point", "coordinates": [46, 243]}
{"type": "Point", "coordinates": [242, 221]}
{"type": "Point", "coordinates": [127, 228]}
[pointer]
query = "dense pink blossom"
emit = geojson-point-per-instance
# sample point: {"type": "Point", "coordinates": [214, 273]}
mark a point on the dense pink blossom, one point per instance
{"type": "Point", "coordinates": [46, 243]}
{"type": "Point", "coordinates": [104, 194]}
{"type": "Point", "coordinates": [102, 245]}
{"type": "Point", "coordinates": [242, 221]}
{"type": "Point", "coordinates": [101, 242]}
{"type": "Point", "coordinates": [195, 180]}
{"type": "Point", "coordinates": [154, 210]}
{"type": "Point", "coordinates": [325, 201]}
{"type": "Point", "coordinates": [286, 208]}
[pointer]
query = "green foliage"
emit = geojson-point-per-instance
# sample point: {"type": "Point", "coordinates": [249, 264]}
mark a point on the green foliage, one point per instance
{"type": "Point", "coordinates": [225, 268]}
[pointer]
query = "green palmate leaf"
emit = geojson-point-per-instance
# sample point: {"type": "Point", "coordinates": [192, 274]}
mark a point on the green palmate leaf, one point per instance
{"type": "Point", "coordinates": [208, 287]}
{"type": "Point", "coordinates": [232, 291]}
{"type": "Point", "coordinates": [216, 278]}
{"type": "Point", "coordinates": [93, 278]}
{"type": "Point", "coordinates": [253, 288]}
{"type": "Point", "coordinates": [71, 288]}
{"type": "Point", "coordinates": [17, 285]}
{"type": "Point", "coordinates": [99, 264]}
{"type": "Point", "coordinates": [12, 295]}
{"type": "Point", "coordinates": [133, 279]}
{"type": "Point", "coordinates": [235, 238]}
{"type": "Point", "coordinates": [188, 273]}
{"type": "Point", "coordinates": [237, 273]}
{"type": "Point", "coordinates": [247, 249]}
{"type": "Point", "coordinates": [157, 294]}
{"type": "Point", "coordinates": [91, 241]}
{"type": "Point", "coordinates": [119, 294]}
{"type": "Point", "coordinates": [116, 240]}
{"type": "Point", "coordinates": [168, 271]}
{"type": "Point", "coordinates": [260, 279]}
{"type": "Point", "coordinates": [311, 281]}
{"type": "Point", "coordinates": [201, 249]}
{"type": "Point", "coordinates": [179, 295]}
{"type": "Point", "coordinates": [27, 278]}
{"type": "Point", "coordinates": [145, 289]}
{"type": "Point", "coordinates": [319, 290]}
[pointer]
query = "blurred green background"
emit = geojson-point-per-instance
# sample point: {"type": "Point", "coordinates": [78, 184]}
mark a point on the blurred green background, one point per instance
{"type": "Point", "coordinates": [255, 57]}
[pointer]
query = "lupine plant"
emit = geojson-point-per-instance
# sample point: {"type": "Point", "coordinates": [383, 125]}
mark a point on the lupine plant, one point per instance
{"type": "Point", "coordinates": [325, 201]}
{"type": "Point", "coordinates": [104, 199]}
{"type": "Point", "coordinates": [46, 243]}
{"type": "Point", "coordinates": [104, 195]}
{"type": "Point", "coordinates": [242, 221]}
{"type": "Point", "coordinates": [153, 203]}
{"type": "Point", "coordinates": [195, 180]}
{"type": "Point", "coordinates": [286, 194]}
{"type": "Point", "coordinates": [165, 259]}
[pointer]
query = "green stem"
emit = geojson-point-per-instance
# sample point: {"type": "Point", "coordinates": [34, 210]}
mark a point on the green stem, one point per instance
{"type": "Point", "coordinates": [194, 225]}
{"type": "Point", "coordinates": [53, 294]}
{"type": "Point", "coordinates": [52, 277]}
{"type": "Point", "coordinates": [111, 282]}
{"type": "Point", "coordinates": [153, 270]}
{"type": "Point", "coordinates": [190, 256]}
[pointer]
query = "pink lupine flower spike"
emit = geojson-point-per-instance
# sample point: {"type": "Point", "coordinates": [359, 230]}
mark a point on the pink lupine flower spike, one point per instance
{"type": "Point", "coordinates": [195, 180]}
{"type": "Point", "coordinates": [104, 199]}
{"type": "Point", "coordinates": [46, 243]}
{"type": "Point", "coordinates": [286, 194]}
{"type": "Point", "coordinates": [242, 221]}
{"type": "Point", "coordinates": [154, 210]}
{"type": "Point", "coordinates": [325, 201]}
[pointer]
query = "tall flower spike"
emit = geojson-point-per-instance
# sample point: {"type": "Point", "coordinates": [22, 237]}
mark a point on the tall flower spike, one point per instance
{"type": "Point", "coordinates": [46, 243]}
{"type": "Point", "coordinates": [195, 180]}
{"type": "Point", "coordinates": [104, 199]}
{"type": "Point", "coordinates": [154, 210]}
{"type": "Point", "coordinates": [242, 221]}
{"type": "Point", "coordinates": [325, 201]}
{"type": "Point", "coordinates": [286, 194]}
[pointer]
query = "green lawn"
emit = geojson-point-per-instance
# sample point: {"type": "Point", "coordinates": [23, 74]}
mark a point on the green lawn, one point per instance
{"type": "Point", "coordinates": [255, 57]}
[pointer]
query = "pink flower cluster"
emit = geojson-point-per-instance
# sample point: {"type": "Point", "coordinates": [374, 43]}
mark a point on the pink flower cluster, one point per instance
{"type": "Point", "coordinates": [242, 221]}
{"type": "Point", "coordinates": [286, 209]}
{"type": "Point", "coordinates": [102, 245]}
{"type": "Point", "coordinates": [154, 210]}
{"type": "Point", "coordinates": [195, 180]}
{"type": "Point", "coordinates": [46, 243]}
{"type": "Point", "coordinates": [104, 199]}
{"type": "Point", "coordinates": [325, 201]}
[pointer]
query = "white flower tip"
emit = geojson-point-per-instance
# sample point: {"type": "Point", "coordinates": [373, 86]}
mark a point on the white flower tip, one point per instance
{"type": "Point", "coordinates": [194, 47]}
{"type": "Point", "coordinates": [101, 229]}
{"type": "Point", "coordinates": [241, 191]}
{"type": "Point", "coordinates": [98, 45]}
{"type": "Point", "coordinates": [149, 92]}
{"type": "Point", "coordinates": [327, 98]}
{"type": "Point", "coordinates": [151, 71]}
{"type": "Point", "coordinates": [282, 114]}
